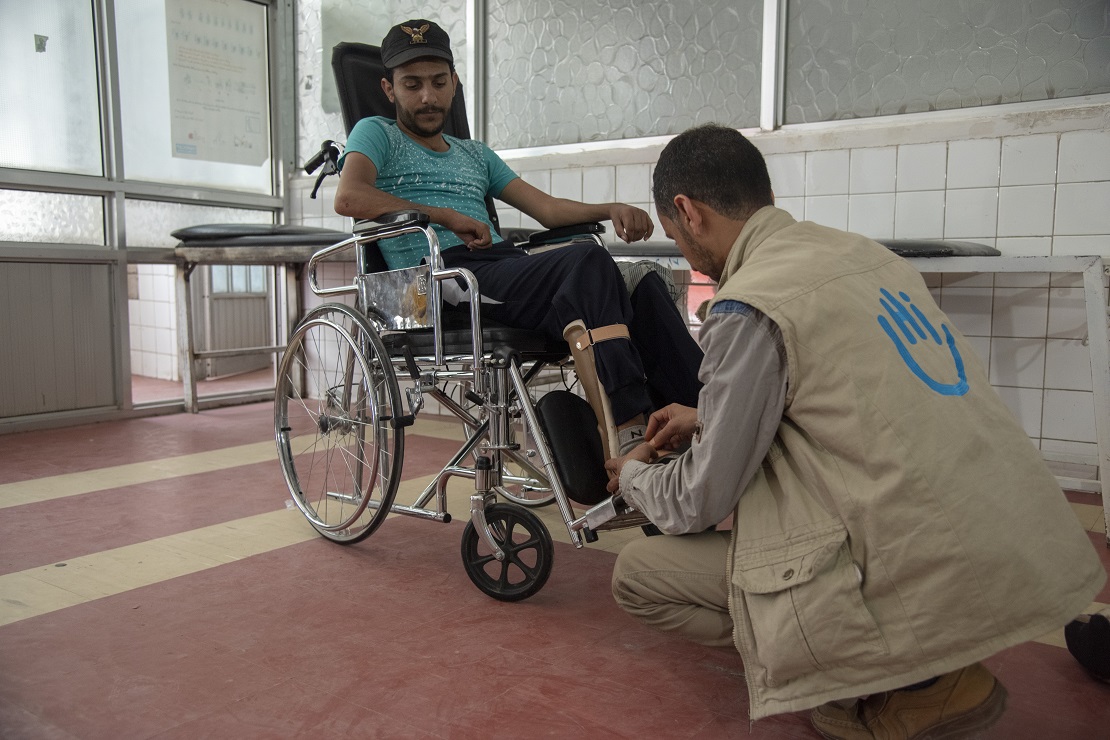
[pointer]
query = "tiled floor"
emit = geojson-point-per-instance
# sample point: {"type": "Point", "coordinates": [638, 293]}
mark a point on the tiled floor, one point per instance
{"type": "Point", "coordinates": [154, 583]}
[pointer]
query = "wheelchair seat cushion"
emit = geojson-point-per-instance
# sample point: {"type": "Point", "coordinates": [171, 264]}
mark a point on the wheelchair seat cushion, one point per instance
{"type": "Point", "coordinates": [532, 345]}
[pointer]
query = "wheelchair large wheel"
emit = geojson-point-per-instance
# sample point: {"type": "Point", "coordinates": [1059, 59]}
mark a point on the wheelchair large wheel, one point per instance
{"type": "Point", "coordinates": [528, 550]}
{"type": "Point", "coordinates": [336, 399]}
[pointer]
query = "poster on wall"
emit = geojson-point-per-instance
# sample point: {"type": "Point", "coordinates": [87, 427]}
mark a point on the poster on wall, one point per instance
{"type": "Point", "coordinates": [219, 100]}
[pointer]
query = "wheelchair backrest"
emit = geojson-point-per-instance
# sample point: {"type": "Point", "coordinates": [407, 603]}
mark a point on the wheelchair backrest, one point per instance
{"type": "Point", "coordinates": [358, 73]}
{"type": "Point", "coordinates": [372, 259]}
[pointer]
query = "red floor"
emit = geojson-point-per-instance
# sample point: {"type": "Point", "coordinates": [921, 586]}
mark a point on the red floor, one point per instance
{"type": "Point", "coordinates": [387, 638]}
{"type": "Point", "coordinates": [146, 390]}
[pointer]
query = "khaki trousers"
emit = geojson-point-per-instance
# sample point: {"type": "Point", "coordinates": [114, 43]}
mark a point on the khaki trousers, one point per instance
{"type": "Point", "coordinates": [677, 584]}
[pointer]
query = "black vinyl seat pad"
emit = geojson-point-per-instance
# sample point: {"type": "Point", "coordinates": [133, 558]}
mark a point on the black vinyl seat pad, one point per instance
{"type": "Point", "coordinates": [457, 340]}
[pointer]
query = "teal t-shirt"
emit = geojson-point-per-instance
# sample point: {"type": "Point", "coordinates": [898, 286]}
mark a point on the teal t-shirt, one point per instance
{"type": "Point", "coordinates": [459, 178]}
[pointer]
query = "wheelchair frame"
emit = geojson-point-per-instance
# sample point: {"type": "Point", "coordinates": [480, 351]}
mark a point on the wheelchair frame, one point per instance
{"type": "Point", "coordinates": [338, 382]}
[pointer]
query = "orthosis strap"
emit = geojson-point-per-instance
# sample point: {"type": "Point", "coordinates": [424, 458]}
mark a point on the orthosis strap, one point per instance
{"type": "Point", "coordinates": [600, 334]}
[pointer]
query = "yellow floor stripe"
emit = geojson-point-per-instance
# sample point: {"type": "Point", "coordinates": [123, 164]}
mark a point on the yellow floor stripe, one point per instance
{"type": "Point", "coordinates": [442, 426]}
{"type": "Point", "coordinates": [48, 588]}
{"type": "Point", "coordinates": [117, 476]}
{"type": "Point", "coordinates": [1090, 516]}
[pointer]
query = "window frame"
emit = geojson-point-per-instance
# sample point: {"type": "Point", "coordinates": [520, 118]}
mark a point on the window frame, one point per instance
{"type": "Point", "coordinates": [114, 188]}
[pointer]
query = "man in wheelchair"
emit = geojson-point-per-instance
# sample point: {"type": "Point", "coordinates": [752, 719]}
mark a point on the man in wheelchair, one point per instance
{"type": "Point", "coordinates": [633, 353]}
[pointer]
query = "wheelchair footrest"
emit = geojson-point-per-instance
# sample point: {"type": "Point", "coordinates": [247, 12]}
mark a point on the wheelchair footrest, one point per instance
{"type": "Point", "coordinates": [630, 518]}
{"type": "Point", "coordinates": [610, 514]}
{"type": "Point", "coordinates": [571, 429]}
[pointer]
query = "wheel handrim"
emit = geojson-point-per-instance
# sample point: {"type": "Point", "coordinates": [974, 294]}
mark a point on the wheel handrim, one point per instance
{"type": "Point", "coordinates": [340, 455]}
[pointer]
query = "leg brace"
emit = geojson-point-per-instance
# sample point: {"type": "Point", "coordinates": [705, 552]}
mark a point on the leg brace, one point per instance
{"type": "Point", "coordinates": [581, 341]}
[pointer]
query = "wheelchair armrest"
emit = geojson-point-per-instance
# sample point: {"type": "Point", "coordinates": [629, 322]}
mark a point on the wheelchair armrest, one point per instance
{"type": "Point", "coordinates": [517, 235]}
{"type": "Point", "coordinates": [366, 232]}
{"type": "Point", "coordinates": [561, 233]}
{"type": "Point", "coordinates": [368, 228]}
{"type": "Point", "coordinates": [369, 231]}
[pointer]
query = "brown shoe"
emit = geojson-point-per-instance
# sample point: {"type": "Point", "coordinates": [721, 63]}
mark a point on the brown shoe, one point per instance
{"type": "Point", "coordinates": [958, 705]}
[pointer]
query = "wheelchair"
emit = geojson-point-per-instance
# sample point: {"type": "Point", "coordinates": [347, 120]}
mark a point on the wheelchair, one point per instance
{"type": "Point", "coordinates": [340, 416]}
{"type": "Point", "coordinates": [353, 378]}
{"type": "Point", "coordinates": [340, 413]}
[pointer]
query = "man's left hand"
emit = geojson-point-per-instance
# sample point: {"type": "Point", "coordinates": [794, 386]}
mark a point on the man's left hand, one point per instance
{"type": "Point", "coordinates": [644, 453]}
{"type": "Point", "coordinates": [630, 223]}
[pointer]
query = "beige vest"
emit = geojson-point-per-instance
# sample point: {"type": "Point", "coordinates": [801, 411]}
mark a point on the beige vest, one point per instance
{"type": "Point", "coordinates": [903, 525]}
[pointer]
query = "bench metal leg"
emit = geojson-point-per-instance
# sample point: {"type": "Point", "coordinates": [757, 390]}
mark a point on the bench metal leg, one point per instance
{"type": "Point", "coordinates": [185, 357]}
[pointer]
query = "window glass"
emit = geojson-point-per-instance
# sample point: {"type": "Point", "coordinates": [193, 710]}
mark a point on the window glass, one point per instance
{"type": "Point", "coordinates": [219, 278]}
{"type": "Point", "coordinates": [860, 58]}
{"type": "Point", "coordinates": [239, 279]}
{"type": "Point", "coordinates": [194, 93]}
{"type": "Point", "coordinates": [258, 279]}
{"type": "Point", "coordinates": [28, 216]}
{"type": "Point", "coordinates": [598, 70]}
{"type": "Point", "coordinates": [48, 47]}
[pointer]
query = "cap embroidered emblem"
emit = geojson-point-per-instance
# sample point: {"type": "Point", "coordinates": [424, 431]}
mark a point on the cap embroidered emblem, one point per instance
{"type": "Point", "coordinates": [417, 34]}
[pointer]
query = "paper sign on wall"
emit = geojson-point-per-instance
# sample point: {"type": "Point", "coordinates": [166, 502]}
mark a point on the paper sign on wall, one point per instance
{"type": "Point", "coordinates": [217, 79]}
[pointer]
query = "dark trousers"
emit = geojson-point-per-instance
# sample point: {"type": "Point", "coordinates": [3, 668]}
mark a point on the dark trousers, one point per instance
{"type": "Point", "coordinates": [547, 291]}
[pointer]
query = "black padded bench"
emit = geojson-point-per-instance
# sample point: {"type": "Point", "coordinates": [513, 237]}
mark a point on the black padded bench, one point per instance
{"type": "Point", "coordinates": [909, 248]}
{"type": "Point", "coordinates": [277, 245]}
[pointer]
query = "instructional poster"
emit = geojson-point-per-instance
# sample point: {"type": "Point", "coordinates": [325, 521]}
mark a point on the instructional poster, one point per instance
{"type": "Point", "coordinates": [219, 102]}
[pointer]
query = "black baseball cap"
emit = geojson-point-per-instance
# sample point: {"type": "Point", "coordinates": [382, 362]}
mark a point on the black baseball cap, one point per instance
{"type": "Point", "coordinates": [414, 39]}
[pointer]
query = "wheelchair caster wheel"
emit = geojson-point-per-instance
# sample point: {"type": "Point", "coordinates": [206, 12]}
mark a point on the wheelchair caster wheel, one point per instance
{"type": "Point", "coordinates": [528, 553]}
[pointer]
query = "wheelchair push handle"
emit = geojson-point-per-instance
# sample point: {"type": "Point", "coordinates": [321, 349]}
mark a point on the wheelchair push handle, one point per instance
{"type": "Point", "coordinates": [329, 152]}
{"type": "Point", "coordinates": [326, 160]}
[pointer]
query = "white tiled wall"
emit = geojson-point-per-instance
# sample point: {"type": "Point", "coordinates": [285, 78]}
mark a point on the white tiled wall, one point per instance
{"type": "Point", "coordinates": [153, 324]}
{"type": "Point", "coordinates": [1025, 191]}
{"type": "Point", "coordinates": [1031, 180]}
{"type": "Point", "coordinates": [318, 211]}
{"type": "Point", "coordinates": [872, 170]}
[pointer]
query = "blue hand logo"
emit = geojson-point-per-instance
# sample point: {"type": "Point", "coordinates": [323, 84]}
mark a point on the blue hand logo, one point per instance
{"type": "Point", "coordinates": [912, 319]}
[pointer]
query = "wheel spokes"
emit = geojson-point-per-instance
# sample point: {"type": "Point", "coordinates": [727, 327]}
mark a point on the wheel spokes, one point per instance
{"type": "Point", "coordinates": [336, 453]}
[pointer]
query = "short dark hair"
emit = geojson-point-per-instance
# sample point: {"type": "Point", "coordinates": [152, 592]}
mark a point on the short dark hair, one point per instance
{"type": "Point", "coordinates": [716, 165]}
